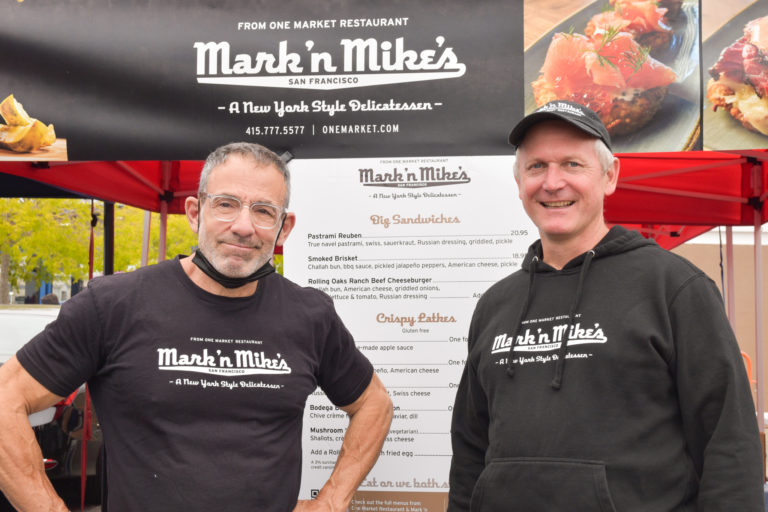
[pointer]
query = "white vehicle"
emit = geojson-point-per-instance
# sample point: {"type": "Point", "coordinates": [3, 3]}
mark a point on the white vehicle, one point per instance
{"type": "Point", "coordinates": [18, 325]}
{"type": "Point", "coordinates": [58, 429]}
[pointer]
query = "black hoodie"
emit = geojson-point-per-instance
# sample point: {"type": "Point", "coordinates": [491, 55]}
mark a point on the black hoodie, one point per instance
{"type": "Point", "coordinates": [646, 408]}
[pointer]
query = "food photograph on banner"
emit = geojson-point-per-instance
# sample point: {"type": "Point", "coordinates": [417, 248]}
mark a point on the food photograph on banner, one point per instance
{"type": "Point", "coordinates": [734, 54]}
{"type": "Point", "coordinates": [635, 63]}
{"type": "Point", "coordinates": [173, 80]}
{"type": "Point", "coordinates": [25, 138]}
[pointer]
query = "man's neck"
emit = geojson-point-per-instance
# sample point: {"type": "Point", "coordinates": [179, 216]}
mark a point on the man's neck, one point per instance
{"type": "Point", "coordinates": [557, 253]}
{"type": "Point", "coordinates": [198, 277]}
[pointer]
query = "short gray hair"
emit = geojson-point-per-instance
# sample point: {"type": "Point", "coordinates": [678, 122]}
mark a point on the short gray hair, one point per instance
{"type": "Point", "coordinates": [603, 153]}
{"type": "Point", "coordinates": [259, 153]}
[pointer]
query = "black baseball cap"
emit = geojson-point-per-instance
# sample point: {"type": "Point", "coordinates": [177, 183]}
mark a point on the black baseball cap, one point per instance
{"type": "Point", "coordinates": [575, 114]}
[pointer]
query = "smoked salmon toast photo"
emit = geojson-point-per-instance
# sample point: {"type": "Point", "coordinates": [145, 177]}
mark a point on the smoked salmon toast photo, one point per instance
{"type": "Point", "coordinates": [634, 62]}
{"type": "Point", "coordinates": [645, 20]}
{"type": "Point", "coordinates": [611, 74]}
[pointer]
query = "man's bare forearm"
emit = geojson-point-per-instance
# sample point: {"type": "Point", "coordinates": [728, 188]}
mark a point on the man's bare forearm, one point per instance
{"type": "Point", "coordinates": [370, 417]}
{"type": "Point", "coordinates": [22, 475]}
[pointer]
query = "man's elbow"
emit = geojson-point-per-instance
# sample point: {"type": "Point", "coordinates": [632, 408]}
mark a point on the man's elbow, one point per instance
{"type": "Point", "coordinates": [377, 404]}
{"type": "Point", "coordinates": [388, 408]}
{"type": "Point", "coordinates": [383, 401]}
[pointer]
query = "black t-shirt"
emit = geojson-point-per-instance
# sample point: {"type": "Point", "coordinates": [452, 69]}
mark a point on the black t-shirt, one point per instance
{"type": "Point", "coordinates": [200, 397]}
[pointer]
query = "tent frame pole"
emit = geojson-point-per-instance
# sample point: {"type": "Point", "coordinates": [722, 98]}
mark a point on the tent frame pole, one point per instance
{"type": "Point", "coordinates": [758, 251]}
{"type": "Point", "coordinates": [759, 322]}
{"type": "Point", "coordinates": [145, 238]}
{"type": "Point", "coordinates": [165, 169]}
{"type": "Point", "coordinates": [730, 290]}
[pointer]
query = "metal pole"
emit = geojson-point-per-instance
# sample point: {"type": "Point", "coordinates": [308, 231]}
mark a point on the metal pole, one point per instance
{"type": "Point", "coordinates": [109, 238]}
{"type": "Point", "coordinates": [730, 291]}
{"type": "Point", "coordinates": [760, 353]}
{"type": "Point", "coordinates": [145, 238]}
{"type": "Point", "coordinates": [166, 180]}
{"type": "Point", "coordinates": [163, 225]}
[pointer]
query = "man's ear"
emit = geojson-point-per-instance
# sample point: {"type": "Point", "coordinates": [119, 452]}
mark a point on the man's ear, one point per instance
{"type": "Point", "coordinates": [613, 177]}
{"type": "Point", "coordinates": [290, 222]}
{"type": "Point", "coordinates": [192, 209]}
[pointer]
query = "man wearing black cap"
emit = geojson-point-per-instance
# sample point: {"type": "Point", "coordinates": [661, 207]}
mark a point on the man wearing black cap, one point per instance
{"type": "Point", "coordinates": [603, 376]}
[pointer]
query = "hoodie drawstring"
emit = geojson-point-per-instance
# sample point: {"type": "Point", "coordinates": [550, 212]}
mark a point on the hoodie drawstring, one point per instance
{"type": "Point", "coordinates": [557, 381]}
{"type": "Point", "coordinates": [532, 271]}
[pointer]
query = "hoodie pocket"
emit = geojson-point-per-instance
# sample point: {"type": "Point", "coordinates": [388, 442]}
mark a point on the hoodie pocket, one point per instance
{"type": "Point", "coordinates": [542, 485]}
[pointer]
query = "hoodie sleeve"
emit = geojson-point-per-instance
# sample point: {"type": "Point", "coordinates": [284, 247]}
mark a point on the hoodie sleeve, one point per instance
{"type": "Point", "coordinates": [469, 437]}
{"type": "Point", "coordinates": [716, 405]}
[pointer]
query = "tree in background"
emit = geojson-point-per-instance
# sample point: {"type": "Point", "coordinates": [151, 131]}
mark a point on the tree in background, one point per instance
{"type": "Point", "coordinates": [129, 228]}
{"type": "Point", "coordinates": [42, 239]}
{"type": "Point", "coordinates": [46, 239]}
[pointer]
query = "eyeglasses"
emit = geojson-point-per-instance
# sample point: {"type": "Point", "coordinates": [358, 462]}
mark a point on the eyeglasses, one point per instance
{"type": "Point", "coordinates": [226, 208]}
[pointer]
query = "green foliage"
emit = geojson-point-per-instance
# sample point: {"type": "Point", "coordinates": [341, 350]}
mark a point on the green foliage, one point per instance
{"type": "Point", "coordinates": [49, 238]}
{"type": "Point", "coordinates": [129, 228]}
{"type": "Point", "coordinates": [45, 238]}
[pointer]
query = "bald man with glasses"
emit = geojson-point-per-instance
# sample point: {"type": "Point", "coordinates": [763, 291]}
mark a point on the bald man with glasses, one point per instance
{"type": "Point", "coordinates": [200, 367]}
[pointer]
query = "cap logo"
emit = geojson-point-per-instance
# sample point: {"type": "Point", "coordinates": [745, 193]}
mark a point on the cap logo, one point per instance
{"type": "Point", "coordinates": [561, 107]}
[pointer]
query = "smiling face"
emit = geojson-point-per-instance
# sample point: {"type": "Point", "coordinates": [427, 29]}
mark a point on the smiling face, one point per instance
{"type": "Point", "coordinates": [238, 248]}
{"type": "Point", "coordinates": [562, 186]}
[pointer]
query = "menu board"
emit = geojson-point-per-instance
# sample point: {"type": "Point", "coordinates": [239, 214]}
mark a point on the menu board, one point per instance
{"type": "Point", "coordinates": [405, 247]}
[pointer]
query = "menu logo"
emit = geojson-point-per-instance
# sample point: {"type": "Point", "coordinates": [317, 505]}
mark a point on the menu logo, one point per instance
{"type": "Point", "coordinates": [426, 176]}
{"type": "Point", "coordinates": [364, 62]}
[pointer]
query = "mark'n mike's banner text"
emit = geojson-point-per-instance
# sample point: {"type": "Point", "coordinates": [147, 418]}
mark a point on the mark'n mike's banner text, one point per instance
{"type": "Point", "coordinates": [136, 80]}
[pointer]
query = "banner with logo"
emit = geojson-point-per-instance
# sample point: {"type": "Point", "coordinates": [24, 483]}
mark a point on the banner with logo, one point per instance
{"type": "Point", "coordinates": [405, 247]}
{"type": "Point", "coordinates": [138, 80]}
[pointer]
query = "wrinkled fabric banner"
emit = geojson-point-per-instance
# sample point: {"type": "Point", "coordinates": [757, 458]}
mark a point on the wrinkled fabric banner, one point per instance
{"type": "Point", "coordinates": [140, 80]}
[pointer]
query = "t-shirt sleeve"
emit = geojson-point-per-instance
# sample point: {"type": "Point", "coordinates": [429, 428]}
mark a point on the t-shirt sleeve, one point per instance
{"type": "Point", "coordinates": [65, 354]}
{"type": "Point", "coordinates": [344, 371]}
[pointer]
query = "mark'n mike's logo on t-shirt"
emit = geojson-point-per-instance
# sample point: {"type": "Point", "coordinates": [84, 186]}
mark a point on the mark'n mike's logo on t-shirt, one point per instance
{"type": "Point", "coordinates": [239, 362]}
{"type": "Point", "coordinates": [541, 340]}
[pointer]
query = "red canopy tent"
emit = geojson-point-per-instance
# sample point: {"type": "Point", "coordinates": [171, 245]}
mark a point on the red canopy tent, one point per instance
{"type": "Point", "coordinates": [155, 186]}
{"type": "Point", "coordinates": [144, 184]}
{"type": "Point", "coordinates": [673, 197]}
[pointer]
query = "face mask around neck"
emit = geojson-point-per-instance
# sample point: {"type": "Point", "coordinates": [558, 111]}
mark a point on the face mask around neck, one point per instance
{"type": "Point", "coordinates": [226, 281]}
